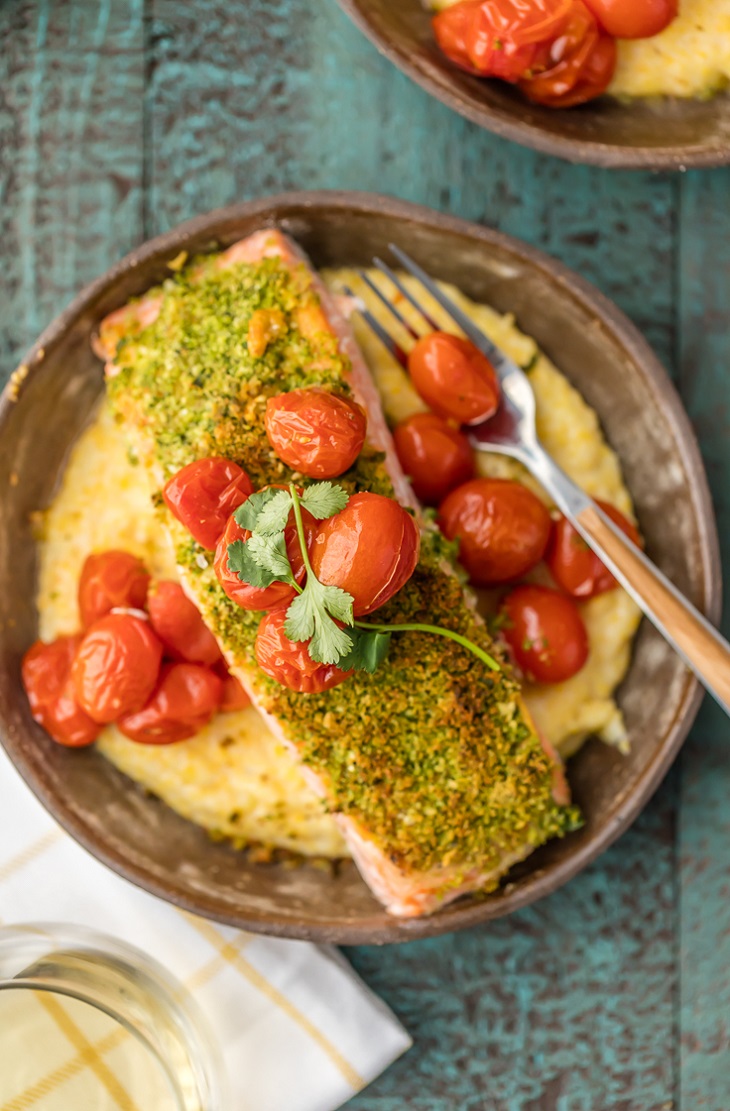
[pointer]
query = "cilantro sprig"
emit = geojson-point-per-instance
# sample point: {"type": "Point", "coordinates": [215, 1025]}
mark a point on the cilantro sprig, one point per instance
{"type": "Point", "coordinates": [320, 615]}
{"type": "Point", "coordinates": [318, 608]}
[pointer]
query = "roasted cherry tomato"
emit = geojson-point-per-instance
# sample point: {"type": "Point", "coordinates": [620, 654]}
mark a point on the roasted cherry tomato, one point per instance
{"type": "Point", "coordinates": [109, 580]}
{"type": "Point", "coordinates": [116, 666]}
{"type": "Point", "coordinates": [436, 457]}
{"type": "Point", "coordinates": [454, 378]}
{"type": "Point", "coordinates": [370, 549]}
{"type": "Point", "coordinates": [576, 569]}
{"type": "Point", "coordinates": [499, 38]}
{"type": "Point", "coordinates": [634, 19]}
{"type": "Point", "coordinates": [289, 662]}
{"type": "Point", "coordinates": [183, 701]}
{"type": "Point", "coordinates": [502, 528]}
{"type": "Point", "coordinates": [256, 597]}
{"type": "Point", "coordinates": [453, 30]}
{"type": "Point", "coordinates": [46, 672]}
{"type": "Point", "coordinates": [315, 432]}
{"type": "Point", "coordinates": [576, 67]}
{"type": "Point", "coordinates": [233, 696]}
{"type": "Point", "coordinates": [545, 632]}
{"type": "Point", "coordinates": [178, 624]}
{"type": "Point", "coordinates": [204, 494]}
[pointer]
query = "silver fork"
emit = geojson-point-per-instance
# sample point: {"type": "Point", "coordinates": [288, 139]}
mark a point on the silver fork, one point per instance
{"type": "Point", "coordinates": [511, 431]}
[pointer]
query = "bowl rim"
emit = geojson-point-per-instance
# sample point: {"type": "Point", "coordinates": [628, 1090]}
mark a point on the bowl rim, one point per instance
{"type": "Point", "coordinates": [273, 211]}
{"type": "Point", "coordinates": [582, 151]}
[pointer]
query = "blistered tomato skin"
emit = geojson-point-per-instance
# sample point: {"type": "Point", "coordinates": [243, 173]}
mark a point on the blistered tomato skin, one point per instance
{"type": "Point", "coordinates": [499, 38]}
{"type": "Point", "coordinates": [46, 672]}
{"type": "Point", "coordinates": [116, 666]}
{"type": "Point", "coordinates": [454, 378]}
{"type": "Point", "coordinates": [317, 433]}
{"type": "Point", "coordinates": [453, 30]}
{"type": "Point", "coordinates": [634, 19]}
{"type": "Point", "coordinates": [184, 700]}
{"type": "Point", "coordinates": [45, 669]}
{"type": "Point", "coordinates": [502, 527]}
{"type": "Point", "coordinates": [261, 598]}
{"type": "Point", "coordinates": [289, 662]}
{"type": "Point", "coordinates": [576, 569]}
{"type": "Point", "coordinates": [370, 549]}
{"type": "Point", "coordinates": [545, 633]}
{"type": "Point", "coordinates": [436, 456]}
{"type": "Point", "coordinates": [203, 494]}
{"type": "Point", "coordinates": [178, 624]}
{"type": "Point", "coordinates": [109, 580]}
{"type": "Point", "coordinates": [575, 68]}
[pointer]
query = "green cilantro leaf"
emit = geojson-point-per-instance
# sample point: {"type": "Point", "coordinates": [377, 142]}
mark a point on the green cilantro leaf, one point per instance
{"type": "Point", "coordinates": [270, 553]}
{"type": "Point", "coordinates": [245, 566]}
{"type": "Point", "coordinates": [275, 514]}
{"type": "Point", "coordinates": [324, 499]}
{"type": "Point", "coordinates": [369, 649]}
{"type": "Point", "coordinates": [247, 515]}
{"type": "Point", "coordinates": [338, 602]}
{"type": "Point", "coordinates": [310, 617]}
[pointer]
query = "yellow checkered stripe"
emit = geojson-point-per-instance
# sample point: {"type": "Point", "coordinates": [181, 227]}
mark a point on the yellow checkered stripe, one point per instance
{"type": "Point", "coordinates": [90, 1056]}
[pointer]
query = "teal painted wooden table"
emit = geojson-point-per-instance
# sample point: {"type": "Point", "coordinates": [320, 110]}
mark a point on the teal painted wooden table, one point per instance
{"type": "Point", "coordinates": [119, 118]}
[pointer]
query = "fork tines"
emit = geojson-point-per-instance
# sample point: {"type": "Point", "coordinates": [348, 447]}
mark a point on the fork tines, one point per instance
{"type": "Point", "coordinates": [460, 319]}
{"type": "Point", "coordinates": [374, 324]}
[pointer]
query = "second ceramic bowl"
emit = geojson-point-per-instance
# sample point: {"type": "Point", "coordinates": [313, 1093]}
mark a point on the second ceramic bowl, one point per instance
{"type": "Point", "coordinates": [659, 134]}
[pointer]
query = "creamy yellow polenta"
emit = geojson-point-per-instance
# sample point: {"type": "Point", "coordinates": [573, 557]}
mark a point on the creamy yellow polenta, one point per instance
{"type": "Point", "coordinates": [690, 58]}
{"type": "Point", "coordinates": [235, 778]}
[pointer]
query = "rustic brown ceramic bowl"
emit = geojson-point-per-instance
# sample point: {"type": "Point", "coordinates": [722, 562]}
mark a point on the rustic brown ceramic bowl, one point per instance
{"type": "Point", "coordinates": [611, 365]}
{"type": "Point", "coordinates": [660, 134]}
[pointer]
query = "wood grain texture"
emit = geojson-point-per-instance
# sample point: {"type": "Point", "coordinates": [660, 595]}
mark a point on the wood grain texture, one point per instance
{"type": "Point", "coordinates": [226, 104]}
{"type": "Point", "coordinates": [573, 1005]}
{"type": "Point", "coordinates": [562, 1007]}
{"type": "Point", "coordinates": [71, 87]}
{"type": "Point", "coordinates": [704, 830]}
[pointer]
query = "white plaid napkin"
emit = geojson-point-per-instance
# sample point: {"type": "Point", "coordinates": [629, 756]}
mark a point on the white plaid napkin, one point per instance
{"type": "Point", "coordinates": [298, 1030]}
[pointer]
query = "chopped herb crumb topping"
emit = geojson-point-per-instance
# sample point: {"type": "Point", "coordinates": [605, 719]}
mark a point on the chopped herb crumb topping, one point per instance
{"type": "Point", "coordinates": [433, 753]}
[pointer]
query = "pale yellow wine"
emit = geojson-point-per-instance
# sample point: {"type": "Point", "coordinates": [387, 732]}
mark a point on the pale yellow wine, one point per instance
{"type": "Point", "coordinates": [58, 1054]}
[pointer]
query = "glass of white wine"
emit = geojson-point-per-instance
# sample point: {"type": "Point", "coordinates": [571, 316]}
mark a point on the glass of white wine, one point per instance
{"type": "Point", "coordinates": [88, 1023]}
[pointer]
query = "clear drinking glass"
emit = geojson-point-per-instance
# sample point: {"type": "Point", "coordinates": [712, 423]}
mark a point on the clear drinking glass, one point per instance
{"type": "Point", "coordinates": [88, 1022]}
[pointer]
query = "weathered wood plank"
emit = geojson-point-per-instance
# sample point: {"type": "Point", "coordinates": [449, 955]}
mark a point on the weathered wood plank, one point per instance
{"type": "Point", "coordinates": [562, 1007]}
{"type": "Point", "coordinates": [704, 830]}
{"type": "Point", "coordinates": [71, 94]}
{"type": "Point", "coordinates": [569, 1005]}
{"type": "Point", "coordinates": [227, 96]}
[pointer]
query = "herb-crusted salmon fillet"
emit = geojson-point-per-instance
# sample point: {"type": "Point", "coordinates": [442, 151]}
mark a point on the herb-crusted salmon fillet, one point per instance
{"type": "Point", "coordinates": [431, 764]}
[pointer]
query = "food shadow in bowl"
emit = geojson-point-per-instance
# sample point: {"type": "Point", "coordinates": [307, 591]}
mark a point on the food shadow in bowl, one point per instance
{"type": "Point", "coordinates": [45, 409]}
{"type": "Point", "coordinates": [661, 133]}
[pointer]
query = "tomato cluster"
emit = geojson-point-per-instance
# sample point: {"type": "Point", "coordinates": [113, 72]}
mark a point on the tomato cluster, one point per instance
{"type": "Point", "coordinates": [144, 659]}
{"type": "Point", "coordinates": [369, 549]}
{"type": "Point", "coordinates": [503, 530]}
{"type": "Point", "coordinates": [559, 52]}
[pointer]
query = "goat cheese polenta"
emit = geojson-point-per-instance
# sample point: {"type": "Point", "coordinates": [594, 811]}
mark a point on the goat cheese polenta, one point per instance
{"type": "Point", "coordinates": [234, 778]}
{"type": "Point", "coordinates": [690, 58]}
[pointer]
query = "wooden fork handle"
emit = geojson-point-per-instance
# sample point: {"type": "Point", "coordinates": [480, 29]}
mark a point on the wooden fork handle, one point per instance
{"type": "Point", "coordinates": [702, 647]}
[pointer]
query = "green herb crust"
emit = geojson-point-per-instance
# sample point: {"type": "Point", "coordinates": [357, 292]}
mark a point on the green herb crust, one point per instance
{"type": "Point", "coordinates": [432, 755]}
